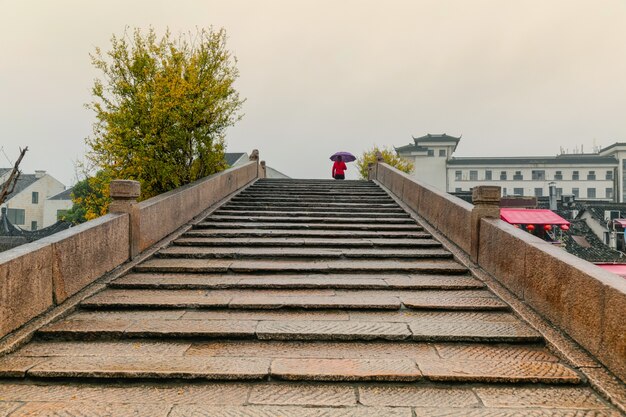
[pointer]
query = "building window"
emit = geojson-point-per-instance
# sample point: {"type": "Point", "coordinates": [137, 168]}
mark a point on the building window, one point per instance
{"type": "Point", "coordinates": [473, 175]}
{"type": "Point", "coordinates": [488, 175]}
{"type": "Point", "coordinates": [559, 192]}
{"type": "Point", "coordinates": [504, 191]}
{"type": "Point", "coordinates": [538, 192]}
{"type": "Point", "coordinates": [503, 175]}
{"type": "Point", "coordinates": [609, 193]}
{"type": "Point", "coordinates": [558, 175]}
{"type": "Point", "coordinates": [591, 193]}
{"type": "Point", "coordinates": [575, 175]}
{"type": "Point", "coordinates": [518, 176]}
{"type": "Point", "coordinates": [431, 152]}
{"type": "Point", "coordinates": [442, 152]}
{"type": "Point", "coordinates": [518, 191]}
{"type": "Point", "coordinates": [16, 216]}
{"type": "Point", "coordinates": [458, 175]}
{"type": "Point", "coordinates": [576, 192]}
{"type": "Point", "coordinates": [539, 175]}
{"type": "Point", "coordinates": [591, 175]}
{"type": "Point", "coordinates": [61, 214]}
{"type": "Point", "coordinates": [33, 225]}
{"type": "Point", "coordinates": [609, 175]}
{"type": "Point", "coordinates": [458, 189]}
{"type": "Point", "coordinates": [35, 197]}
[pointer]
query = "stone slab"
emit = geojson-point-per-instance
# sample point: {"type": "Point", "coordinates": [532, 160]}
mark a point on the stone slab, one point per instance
{"type": "Point", "coordinates": [184, 265]}
{"type": "Point", "coordinates": [459, 352]}
{"type": "Point", "coordinates": [91, 409]}
{"type": "Point", "coordinates": [345, 369]}
{"type": "Point", "coordinates": [304, 233]}
{"type": "Point", "coordinates": [398, 396]}
{"type": "Point", "coordinates": [407, 316]}
{"type": "Point", "coordinates": [315, 302]}
{"type": "Point", "coordinates": [266, 315]}
{"type": "Point", "coordinates": [13, 366]}
{"type": "Point", "coordinates": [328, 350]}
{"type": "Point", "coordinates": [498, 372]}
{"type": "Point", "coordinates": [434, 282]}
{"type": "Point", "coordinates": [96, 348]}
{"type": "Point", "coordinates": [86, 328]}
{"type": "Point", "coordinates": [307, 395]}
{"type": "Point", "coordinates": [451, 302]}
{"type": "Point", "coordinates": [129, 393]}
{"type": "Point", "coordinates": [472, 331]}
{"type": "Point", "coordinates": [7, 407]}
{"type": "Point", "coordinates": [153, 367]}
{"type": "Point", "coordinates": [192, 328]}
{"type": "Point", "coordinates": [155, 299]}
{"type": "Point", "coordinates": [510, 412]}
{"type": "Point", "coordinates": [544, 397]}
{"type": "Point", "coordinates": [331, 330]}
{"type": "Point", "coordinates": [310, 226]}
{"type": "Point", "coordinates": [287, 411]}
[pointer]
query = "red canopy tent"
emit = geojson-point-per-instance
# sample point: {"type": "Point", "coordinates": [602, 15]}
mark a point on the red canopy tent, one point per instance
{"type": "Point", "coordinates": [532, 216]}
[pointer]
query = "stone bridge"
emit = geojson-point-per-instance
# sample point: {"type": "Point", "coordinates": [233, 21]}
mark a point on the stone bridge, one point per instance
{"type": "Point", "coordinates": [243, 296]}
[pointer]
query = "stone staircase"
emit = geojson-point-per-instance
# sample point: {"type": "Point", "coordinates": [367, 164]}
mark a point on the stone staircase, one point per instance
{"type": "Point", "coordinates": [296, 298]}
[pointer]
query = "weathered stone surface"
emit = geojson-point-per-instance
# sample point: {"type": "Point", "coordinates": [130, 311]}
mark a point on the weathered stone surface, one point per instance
{"type": "Point", "coordinates": [311, 226]}
{"type": "Point", "coordinates": [286, 411]}
{"type": "Point", "coordinates": [315, 395]}
{"type": "Point", "coordinates": [345, 369]}
{"type": "Point", "coordinates": [451, 302]}
{"type": "Point", "coordinates": [486, 352]}
{"type": "Point", "coordinates": [469, 330]}
{"type": "Point", "coordinates": [86, 328]}
{"type": "Point", "coordinates": [316, 302]}
{"type": "Point", "coordinates": [377, 396]}
{"type": "Point", "coordinates": [434, 282]}
{"type": "Point", "coordinates": [337, 350]}
{"type": "Point", "coordinates": [266, 315]}
{"type": "Point", "coordinates": [331, 330]}
{"type": "Point", "coordinates": [305, 233]}
{"type": "Point", "coordinates": [15, 367]}
{"type": "Point", "coordinates": [127, 314]}
{"type": "Point", "coordinates": [156, 299]}
{"type": "Point", "coordinates": [151, 367]}
{"type": "Point", "coordinates": [192, 328]}
{"type": "Point", "coordinates": [184, 265]}
{"type": "Point", "coordinates": [406, 316]}
{"type": "Point", "coordinates": [548, 397]}
{"type": "Point", "coordinates": [129, 393]}
{"type": "Point", "coordinates": [96, 348]}
{"type": "Point", "coordinates": [490, 371]}
{"type": "Point", "coordinates": [511, 412]}
{"type": "Point", "coordinates": [7, 407]}
{"type": "Point", "coordinates": [78, 408]}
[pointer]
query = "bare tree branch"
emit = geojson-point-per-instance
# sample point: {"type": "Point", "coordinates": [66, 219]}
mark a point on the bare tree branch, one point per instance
{"type": "Point", "coordinates": [9, 186]}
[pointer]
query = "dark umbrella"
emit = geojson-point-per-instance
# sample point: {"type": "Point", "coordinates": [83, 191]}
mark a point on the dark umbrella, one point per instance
{"type": "Point", "coordinates": [345, 156]}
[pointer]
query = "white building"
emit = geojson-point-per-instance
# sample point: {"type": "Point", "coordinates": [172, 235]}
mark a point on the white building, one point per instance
{"type": "Point", "coordinates": [26, 204]}
{"type": "Point", "coordinates": [597, 176]}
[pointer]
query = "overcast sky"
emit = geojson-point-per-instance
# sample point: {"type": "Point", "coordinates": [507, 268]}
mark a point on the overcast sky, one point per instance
{"type": "Point", "coordinates": [513, 77]}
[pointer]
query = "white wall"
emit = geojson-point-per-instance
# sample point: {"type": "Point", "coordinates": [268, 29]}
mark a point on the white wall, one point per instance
{"type": "Point", "coordinates": [47, 186]}
{"type": "Point", "coordinates": [50, 210]}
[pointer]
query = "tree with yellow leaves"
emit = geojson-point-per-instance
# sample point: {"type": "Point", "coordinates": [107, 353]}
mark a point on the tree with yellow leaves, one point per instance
{"type": "Point", "coordinates": [389, 156]}
{"type": "Point", "coordinates": [162, 108]}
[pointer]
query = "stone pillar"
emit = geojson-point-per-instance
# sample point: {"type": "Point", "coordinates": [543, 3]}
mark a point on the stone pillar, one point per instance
{"type": "Point", "coordinates": [371, 171]}
{"type": "Point", "coordinates": [379, 160]}
{"type": "Point", "coordinates": [125, 194]}
{"type": "Point", "coordinates": [254, 156]}
{"type": "Point", "coordinates": [486, 200]}
{"type": "Point", "coordinates": [263, 170]}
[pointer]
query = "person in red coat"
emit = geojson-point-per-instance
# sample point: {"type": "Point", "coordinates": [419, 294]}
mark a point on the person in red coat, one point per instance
{"type": "Point", "coordinates": [339, 168]}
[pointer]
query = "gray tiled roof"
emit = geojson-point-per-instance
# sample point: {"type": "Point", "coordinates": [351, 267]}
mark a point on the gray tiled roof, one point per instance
{"type": "Point", "coordinates": [63, 195]}
{"type": "Point", "coordinates": [4, 171]}
{"type": "Point", "coordinates": [411, 148]}
{"type": "Point", "coordinates": [436, 138]}
{"type": "Point", "coordinates": [23, 182]}
{"type": "Point", "coordinates": [597, 251]}
{"type": "Point", "coordinates": [233, 157]}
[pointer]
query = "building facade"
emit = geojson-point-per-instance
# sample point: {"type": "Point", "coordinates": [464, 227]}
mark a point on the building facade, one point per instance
{"type": "Point", "coordinates": [26, 204]}
{"type": "Point", "coordinates": [599, 176]}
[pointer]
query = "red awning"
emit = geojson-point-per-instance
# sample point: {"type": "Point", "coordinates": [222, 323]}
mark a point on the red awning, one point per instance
{"type": "Point", "coordinates": [531, 216]}
{"type": "Point", "coordinates": [621, 222]}
{"type": "Point", "coordinates": [618, 269]}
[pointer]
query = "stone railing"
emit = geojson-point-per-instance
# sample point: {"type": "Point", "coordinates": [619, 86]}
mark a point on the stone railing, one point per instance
{"type": "Point", "coordinates": [581, 299]}
{"type": "Point", "coordinates": [38, 276]}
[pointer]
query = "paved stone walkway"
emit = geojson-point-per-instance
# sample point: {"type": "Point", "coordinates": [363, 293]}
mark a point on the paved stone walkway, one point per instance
{"type": "Point", "coordinates": [296, 298]}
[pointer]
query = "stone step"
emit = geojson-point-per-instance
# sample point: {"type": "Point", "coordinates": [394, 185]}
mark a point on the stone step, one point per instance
{"type": "Point", "coordinates": [310, 209]}
{"type": "Point", "coordinates": [291, 369]}
{"type": "Point", "coordinates": [313, 192]}
{"type": "Point", "coordinates": [208, 224]}
{"type": "Point", "coordinates": [307, 214]}
{"type": "Point", "coordinates": [204, 252]}
{"type": "Point", "coordinates": [300, 267]}
{"type": "Point", "coordinates": [313, 219]}
{"type": "Point", "coordinates": [302, 233]}
{"type": "Point", "coordinates": [326, 206]}
{"type": "Point", "coordinates": [316, 201]}
{"type": "Point", "coordinates": [427, 330]}
{"type": "Point", "coordinates": [252, 242]}
{"type": "Point", "coordinates": [479, 300]}
{"type": "Point", "coordinates": [214, 281]}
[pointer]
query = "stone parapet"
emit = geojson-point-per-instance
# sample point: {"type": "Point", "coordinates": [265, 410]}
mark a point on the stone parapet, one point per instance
{"type": "Point", "coordinates": [578, 297]}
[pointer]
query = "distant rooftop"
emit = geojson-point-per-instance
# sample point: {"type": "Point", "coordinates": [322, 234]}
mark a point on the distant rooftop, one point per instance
{"type": "Point", "coordinates": [232, 157]}
{"type": "Point", "coordinates": [63, 195]}
{"type": "Point", "coordinates": [565, 159]}
{"type": "Point", "coordinates": [24, 181]}
{"type": "Point", "coordinates": [443, 137]}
